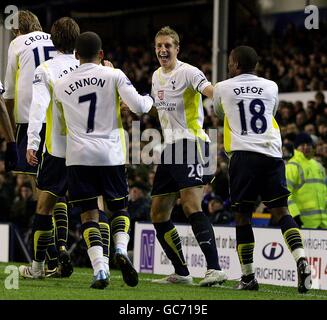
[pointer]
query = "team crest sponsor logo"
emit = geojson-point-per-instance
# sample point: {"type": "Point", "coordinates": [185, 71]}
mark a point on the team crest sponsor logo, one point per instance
{"type": "Point", "coordinates": [37, 79]}
{"type": "Point", "coordinates": [161, 94]}
{"type": "Point", "coordinates": [147, 251]}
{"type": "Point", "coordinates": [272, 250]}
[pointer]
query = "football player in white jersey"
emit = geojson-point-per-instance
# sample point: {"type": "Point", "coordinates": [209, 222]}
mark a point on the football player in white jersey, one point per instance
{"type": "Point", "coordinates": [30, 47]}
{"type": "Point", "coordinates": [51, 177]}
{"type": "Point", "coordinates": [8, 132]}
{"type": "Point", "coordinates": [177, 89]}
{"type": "Point", "coordinates": [95, 155]}
{"type": "Point", "coordinates": [256, 169]}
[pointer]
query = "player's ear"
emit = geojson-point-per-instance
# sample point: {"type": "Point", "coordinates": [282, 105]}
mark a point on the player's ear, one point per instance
{"type": "Point", "coordinates": [101, 54]}
{"type": "Point", "coordinates": [177, 49]}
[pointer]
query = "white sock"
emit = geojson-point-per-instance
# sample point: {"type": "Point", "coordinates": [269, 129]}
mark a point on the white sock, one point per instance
{"type": "Point", "coordinates": [106, 263]}
{"type": "Point", "coordinates": [298, 253]}
{"type": "Point", "coordinates": [37, 266]}
{"type": "Point", "coordinates": [96, 256]}
{"type": "Point", "coordinates": [247, 269]}
{"type": "Point", "coordinates": [121, 240]}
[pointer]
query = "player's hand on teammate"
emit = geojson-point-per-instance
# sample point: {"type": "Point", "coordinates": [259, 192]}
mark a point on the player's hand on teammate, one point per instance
{"type": "Point", "coordinates": [123, 106]}
{"type": "Point", "coordinates": [31, 157]}
{"type": "Point", "coordinates": [11, 156]}
{"type": "Point", "coordinates": [107, 63]}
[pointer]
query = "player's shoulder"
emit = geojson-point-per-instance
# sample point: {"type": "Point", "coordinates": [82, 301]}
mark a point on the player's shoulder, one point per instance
{"type": "Point", "coordinates": [63, 81]}
{"type": "Point", "coordinates": [113, 73]}
{"type": "Point", "coordinates": [268, 83]}
{"type": "Point", "coordinates": [189, 68]}
{"type": "Point", "coordinates": [156, 72]}
{"type": "Point", "coordinates": [224, 84]}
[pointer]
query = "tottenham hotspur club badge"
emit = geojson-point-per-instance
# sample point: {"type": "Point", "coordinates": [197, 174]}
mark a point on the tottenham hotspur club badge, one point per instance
{"type": "Point", "coordinates": [173, 83]}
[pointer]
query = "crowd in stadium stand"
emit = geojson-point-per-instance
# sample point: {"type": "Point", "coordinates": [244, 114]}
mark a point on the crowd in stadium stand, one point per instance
{"type": "Point", "coordinates": [295, 60]}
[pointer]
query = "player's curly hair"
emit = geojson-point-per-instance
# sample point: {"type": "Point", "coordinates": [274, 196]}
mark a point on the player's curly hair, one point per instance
{"type": "Point", "coordinates": [64, 33]}
{"type": "Point", "coordinates": [167, 31]}
{"type": "Point", "coordinates": [27, 22]}
{"type": "Point", "coordinates": [246, 57]}
{"type": "Point", "coordinates": [88, 45]}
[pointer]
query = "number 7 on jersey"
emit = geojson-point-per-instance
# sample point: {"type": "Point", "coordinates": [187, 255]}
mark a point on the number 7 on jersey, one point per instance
{"type": "Point", "coordinates": [92, 97]}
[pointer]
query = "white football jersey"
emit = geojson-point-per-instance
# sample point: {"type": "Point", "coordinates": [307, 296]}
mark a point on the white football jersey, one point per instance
{"type": "Point", "coordinates": [26, 52]}
{"type": "Point", "coordinates": [178, 99]}
{"type": "Point", "coordinates": [44, 105]}
{"type": "Point", "coordinates": [90, 100]}
{"type": "Point", "coordinates": [249, 104]}
{"type": "Point", "coordinates": [2, 90]}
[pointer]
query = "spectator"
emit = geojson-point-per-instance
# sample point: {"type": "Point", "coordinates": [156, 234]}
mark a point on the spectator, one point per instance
{"type": "Point", "coordinates": [320, 101]}
{"type": "Point", "coordinates": [138, 207]}
{"type": "Point", "coordinates": [217, 213]}
{"type": "Point", "coordinates": [306, 180]}
{"type": "Point", "coordinates": [23, 209]}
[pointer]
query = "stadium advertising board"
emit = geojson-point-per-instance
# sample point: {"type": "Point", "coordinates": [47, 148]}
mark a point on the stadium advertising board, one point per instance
{"type": "Point", "coordinates": [273, 262]}
{"type": "Point", "coordinates": [4, 242]}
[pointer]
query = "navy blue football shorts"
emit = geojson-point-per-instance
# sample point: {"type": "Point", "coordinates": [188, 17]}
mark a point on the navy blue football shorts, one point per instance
{"type": "Point", "coordinates": [183, 165]}
{"type": "Point", "coordinates": [252, 175]}
{"type": "Point", "coordinates": [52, 175]}
{"type": "Point", "coordinates": [86, 183]}
{"type": "Point", "coordinates": [21, 140]}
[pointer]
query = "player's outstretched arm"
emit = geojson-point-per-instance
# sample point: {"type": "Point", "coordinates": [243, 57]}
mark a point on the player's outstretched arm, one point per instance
{"type": "Point", "coordinates": [208, 91]}
{"type": "Point", "coordinates": [217, 103]}
{"type": "Point", "coordinates": [136, 102]}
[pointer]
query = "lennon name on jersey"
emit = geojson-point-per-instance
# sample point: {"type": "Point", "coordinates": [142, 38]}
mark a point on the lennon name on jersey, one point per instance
{"type": "Point", "coordinates": [83, 83]}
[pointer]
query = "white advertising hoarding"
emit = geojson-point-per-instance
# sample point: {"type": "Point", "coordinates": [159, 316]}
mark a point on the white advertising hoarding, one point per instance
{"type": "Point", "coordinates": [273, 262]}
{"type": "Point", "coordinates": [4, 242]}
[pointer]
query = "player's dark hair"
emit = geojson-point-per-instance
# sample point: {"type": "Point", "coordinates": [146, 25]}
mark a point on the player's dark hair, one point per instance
{"type": "Point", "coordinates": [64, 33]}
{"type": "Point", "coordinates": [88, 45]}
{"type": "Point", "coordinates": [246, 57]}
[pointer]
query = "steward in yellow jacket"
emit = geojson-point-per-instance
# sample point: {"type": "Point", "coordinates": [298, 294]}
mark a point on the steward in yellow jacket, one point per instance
{"type": "Point", "coordinates": [306, 180]}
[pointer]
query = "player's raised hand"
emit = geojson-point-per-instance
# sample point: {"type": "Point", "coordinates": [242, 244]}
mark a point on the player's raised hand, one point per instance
{"type": "Point", "coordinates": [31, 157]}
{"type": "Point", "coordinates": [107, 63]}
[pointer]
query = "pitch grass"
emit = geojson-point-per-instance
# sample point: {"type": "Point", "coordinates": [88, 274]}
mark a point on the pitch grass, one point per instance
{"type": "Point", "coordinates": [77, 288]}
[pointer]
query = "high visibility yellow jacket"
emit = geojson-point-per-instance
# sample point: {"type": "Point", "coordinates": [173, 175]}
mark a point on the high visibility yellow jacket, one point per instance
{"type": "Point", "coordinates": [306, 180]}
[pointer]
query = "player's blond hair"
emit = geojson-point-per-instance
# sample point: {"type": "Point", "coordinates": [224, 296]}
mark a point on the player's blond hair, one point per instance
{"type": "Point", "coordinates": [167, 31]}
{"type": "Point", "coordinates": [28, 22]}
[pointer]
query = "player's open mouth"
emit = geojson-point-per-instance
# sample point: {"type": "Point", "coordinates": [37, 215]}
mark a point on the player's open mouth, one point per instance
{"type": "Point", "coordinates": [164, 57]}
